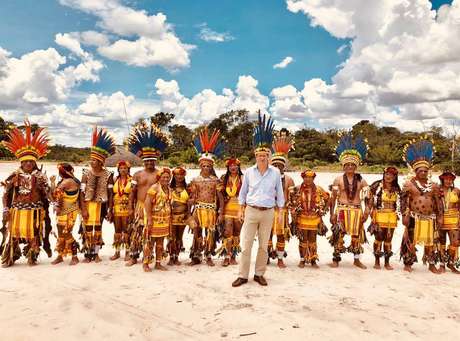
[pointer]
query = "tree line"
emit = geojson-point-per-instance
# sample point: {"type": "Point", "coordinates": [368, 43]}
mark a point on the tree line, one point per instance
{"type": "Point", "coordinates": [313, 148]}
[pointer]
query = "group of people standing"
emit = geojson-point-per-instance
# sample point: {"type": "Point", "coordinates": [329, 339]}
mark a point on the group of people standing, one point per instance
{"type": "Point", "coordinates": [151, 209]}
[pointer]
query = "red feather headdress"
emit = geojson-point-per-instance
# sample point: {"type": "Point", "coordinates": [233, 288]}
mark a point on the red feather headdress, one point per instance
{"type": "Point", "coordinates": [281, 147]}
{"type": "Point", "coordinates": [27, 146]}
{"type": "Point", "coordinates": [208, 146]}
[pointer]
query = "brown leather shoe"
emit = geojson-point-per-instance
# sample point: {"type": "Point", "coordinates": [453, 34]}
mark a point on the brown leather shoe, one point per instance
{"type": "Point", "coordinates": [239, 281]}
{"type": "Point", "coordinates": [261, 280]}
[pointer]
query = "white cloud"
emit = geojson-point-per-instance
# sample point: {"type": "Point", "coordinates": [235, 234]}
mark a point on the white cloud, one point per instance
{"type": "Point", "coordinates": [92, 38]}
{"type": "Point", "coordinates": [288, 103]}
{"type": "Point", "coordinates": [41, 77]}
{"type": "Point", "coordinates": [285, 62]}
{"type": "Point", "coordinates": [342, 48]}
{"type": "Point", "coordinates": [209, 35]}
{"type": "Point", "coordinates": [140, 39]}
{"type": "Point", "coordinates": [207, 104]}
{"type": "Point", "coordinates": [72, 44]}
{"type": "Point", "coordinates": [167, 52]}
{"type": "Point", "coordinates": [72, 125]}
{"type": "Point", "coordinates": [402, 68]}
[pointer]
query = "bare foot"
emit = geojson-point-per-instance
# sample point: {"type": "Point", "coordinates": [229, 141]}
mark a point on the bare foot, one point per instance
{"type": "Point", "coordinates": [408, 268]}
{"type": "Point", "coordinates": [453, 269]}
{"type": "Point", "coordinates": [31, 262]}
{"type": "Point", "coordinates": [86, 260]}
{"type": "Point", "coordinates": [301, 264]}
{"type": "Point", "coordinates": [131, 262]}
{"type": "Point", "coordinates": [177, 261]}
{"type": "Point", "coordinates": [194, 261]}
{"type": "Point", "coordinates": [226, 262]}
{"type": "Point", "coordinates": [74, 260]}
{"type": "Point", "coordinates": [146, 267]}
{"type": "Point", "coordinates": [281, 264]}
{"type": "Point", "coordinates": [358, 264]}
{"type": "Point", "coordinates": [433, 269]}
{"type": "Point", "coordinates": [171, 261]}
{"type": "Point", "coordinates": [233, 261]}
{"type": "Point", "coordinates": [334, 264]}
{"type": "Point", "coordinates": [209, 262]}
{"type": "Point", "coordinates": [158, 266]}
{"type": "Point", "coordinates": [58, 260]}
{"type": "Point", "coordinates": [314, 265]}
{"type": "Point", "coordinates": [97, 259]}
{"type": "Point", "coordinates": [388, 266]}
{"type": "Point", "coordinates": [115, 256]}
{"type": "Point", "coordinates": [127, 257]}
{"type": "Point", "coordinates": [442, 269]}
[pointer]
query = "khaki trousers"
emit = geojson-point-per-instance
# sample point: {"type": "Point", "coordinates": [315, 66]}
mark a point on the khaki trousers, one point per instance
{"type": "Point", "coordinates": [260, 222]}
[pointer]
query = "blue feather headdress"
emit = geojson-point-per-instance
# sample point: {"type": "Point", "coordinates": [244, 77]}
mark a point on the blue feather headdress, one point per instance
{"type": "Point", "coordinates": [349, 151]}
{"type": "Point", "coordinates": [207, 146]}
{"type": "Point", "coordinates": [419, 153]}
{"type": "Point", "coordinates": [147, 142]}
{"type": "Point", "coordinates": [263, 134]}
{"type": "Point", "coordinates": [102, 145]}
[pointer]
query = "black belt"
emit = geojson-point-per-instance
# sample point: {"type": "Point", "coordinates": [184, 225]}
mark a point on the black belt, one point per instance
{"type": "Point", "coordinates": [260, 208]}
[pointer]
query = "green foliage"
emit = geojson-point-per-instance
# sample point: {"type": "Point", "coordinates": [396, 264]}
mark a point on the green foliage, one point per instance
{"type": "Point", "coordinates": [70, 154]}
{"type": "Point", "coordinates": [313, 148]}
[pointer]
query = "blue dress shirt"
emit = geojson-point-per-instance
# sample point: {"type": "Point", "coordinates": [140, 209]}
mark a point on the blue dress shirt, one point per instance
{"type": "Point", "coordinates": [262, 190]}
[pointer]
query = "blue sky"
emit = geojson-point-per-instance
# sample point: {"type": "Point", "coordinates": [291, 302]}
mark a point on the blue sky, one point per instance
{"type": "Point", "coordinates": [262, 33]}
{"type": "Point", "coordinates": [265, 32]}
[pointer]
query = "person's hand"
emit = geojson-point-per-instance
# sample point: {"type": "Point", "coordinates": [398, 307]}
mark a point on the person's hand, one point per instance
{"type": "Point", "coordinates": [406, 220]}
{"type": "Point", "coordinates": [333, 219]}
{"type": "Point", "coordinates": [53, 180]}
{"type": "Point", "coordinates": [241, 214]}
{"type": "Point", "coordinates": [406, 234]}
{"type": "Point", "coordinates": [84, 214]}
{"type": "Point", "coordinates": [6, 215]}
{"type": "Point", "coordinates": [440, 221]}
{"type": "Point", "coordinates": [280, 219]}
{"type": "Point", "coordinates": [130, 214]}
{"type": "Point", "coordinates": [220, 218]}
{"type": "Point", "coordinates": [110, 215]}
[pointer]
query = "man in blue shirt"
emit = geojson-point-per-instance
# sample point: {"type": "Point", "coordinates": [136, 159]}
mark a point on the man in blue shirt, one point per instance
{"type": "Point", "coordinates": [260, 192]}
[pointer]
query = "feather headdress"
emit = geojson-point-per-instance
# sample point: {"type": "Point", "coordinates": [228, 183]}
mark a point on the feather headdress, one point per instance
{"type": "Point", "coordinates": [349, 151]}
{"type": "Point", "coordinates": [102, 145]}
{"type": "Point", "coordinates": [419, 153]}
{"type": "Point", "coordinates": [282, 144]}
{"type": "Point", "coordinates": [208, 147]}
{"type": "Point", "coordinates": [263, 134]}
{"type": "Point", "coordinates": [27, 146]}
{"type": "Point", "coordinates": [147, 142]}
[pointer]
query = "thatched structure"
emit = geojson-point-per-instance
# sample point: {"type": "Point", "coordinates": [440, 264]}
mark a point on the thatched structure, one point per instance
{"type": "Point", "coordinates": [123, 154]}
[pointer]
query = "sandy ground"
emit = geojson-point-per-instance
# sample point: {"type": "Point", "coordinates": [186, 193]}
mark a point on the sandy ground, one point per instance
{"type": "Point", "coordinates": [108, 301]}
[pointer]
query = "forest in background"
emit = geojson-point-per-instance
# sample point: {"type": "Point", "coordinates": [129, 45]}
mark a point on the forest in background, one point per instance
{"type": "Point", "coordinates": [313, 148]}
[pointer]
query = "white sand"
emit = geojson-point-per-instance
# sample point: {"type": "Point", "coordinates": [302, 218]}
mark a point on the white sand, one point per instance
{"type": "Point", "coordinates": [108, 301]}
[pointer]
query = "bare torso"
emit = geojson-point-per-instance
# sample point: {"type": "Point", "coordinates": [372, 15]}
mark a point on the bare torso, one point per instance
{"type": "Point", "coordinates": [205, 189]}
{"type": "Point", "coordinates": [422, 203]}
{"type": "Point", "coordinates": [144, 180]}
{"type": "Point", "coordinates": [342, 196]}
